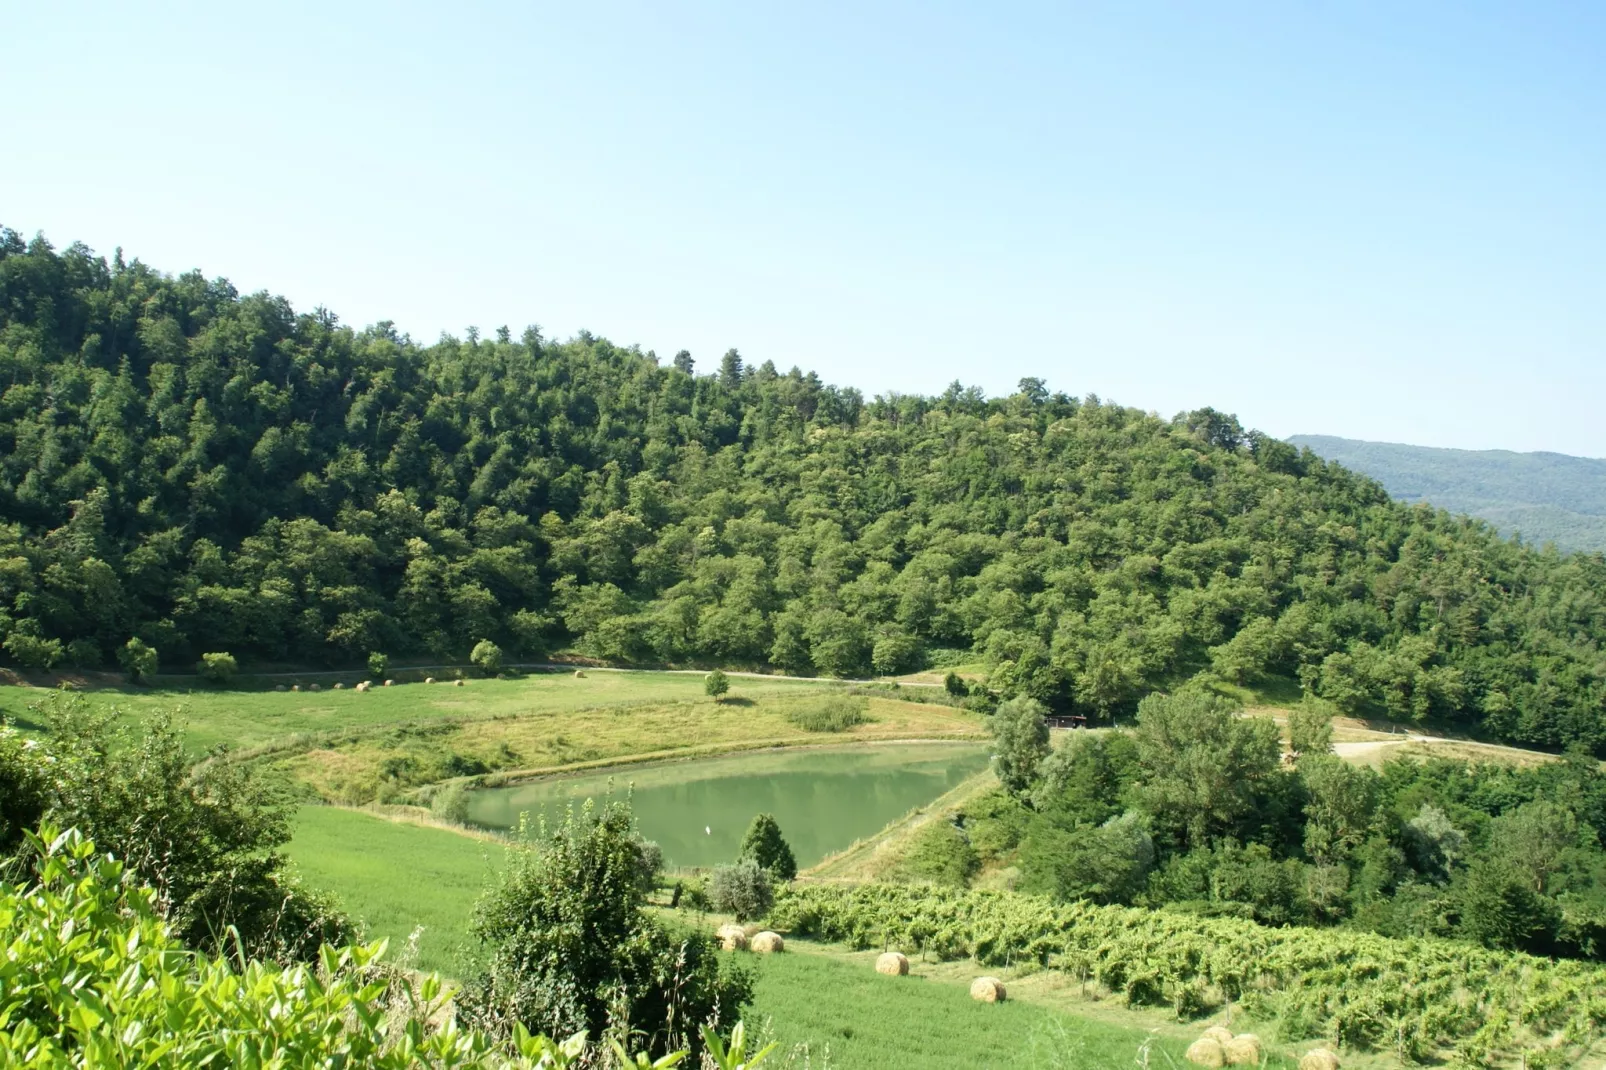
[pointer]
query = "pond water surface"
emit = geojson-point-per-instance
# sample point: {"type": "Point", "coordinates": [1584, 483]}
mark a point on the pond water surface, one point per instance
{"type": "Point", "coordinates": [697, 811]}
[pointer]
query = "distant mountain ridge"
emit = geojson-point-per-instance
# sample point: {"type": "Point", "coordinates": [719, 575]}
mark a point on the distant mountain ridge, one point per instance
{"type": "Point", "coordinates": [1546, 497]}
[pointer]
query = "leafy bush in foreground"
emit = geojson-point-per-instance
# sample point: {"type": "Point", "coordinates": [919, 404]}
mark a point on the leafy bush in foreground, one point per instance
{"type": "Point", "coordinates": [1413, 997]}
{"type": "Point", "coordinates": [201, 837]}
{"type": "Point", "coordinates": [92, 977]}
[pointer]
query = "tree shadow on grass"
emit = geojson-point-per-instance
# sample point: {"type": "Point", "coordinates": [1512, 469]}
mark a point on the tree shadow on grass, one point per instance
{"type": "Point", "coordinates": [737, 701]}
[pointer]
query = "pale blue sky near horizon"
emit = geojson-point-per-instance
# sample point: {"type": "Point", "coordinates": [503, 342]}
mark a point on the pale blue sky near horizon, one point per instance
{"type": "Point", "coordinates": [1381, 221]}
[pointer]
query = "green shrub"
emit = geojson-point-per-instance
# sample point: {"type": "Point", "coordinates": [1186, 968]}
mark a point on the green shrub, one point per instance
{"type": "Point", "coordinates": [30, 650]}
{"type": "Point", "coordinates": [139, 659]}
{"type": "Point", "coordinates": [450, 803]}
{"type": "Point", "coordinates": [487, 657]}
{"type": "Point", "coordinates": [378, 665]}
{"type": "Point", "coordinates": [83, 654]}
{"type": "Point", "coordinates": [25, 782]}
{"type": "Point", "coordinates": [996, 822]}
{"type": "Point", "coordinates": [572, 949]}
{"type": "Point", "coordinates": [940, 853]}
{"type": "Point", "coordinates": [217, 669]}
{"type": "Point", "coordinates": [837, 713]}
{"type": "Point", "coordinates": [715, 684]}
{"type": "Point", "coordinates": [694, 894]}
{"type": "Point", "coordinates": [742, 890]}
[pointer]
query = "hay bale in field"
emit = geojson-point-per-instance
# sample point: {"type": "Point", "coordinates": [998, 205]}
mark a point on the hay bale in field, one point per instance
{"type": "Point", "coordinates": [892, 964]}
{"type": "Point", "coordinates": [389, 682]}
{"type": "Point", "coordinates": [732, 937]}
{"type": "Point", "coordinates": [767, 943]}
{"type": "Point", "coordinates": [1318, 1059]}
{"type": "Point", "coordinates": [429, 679]}
{"type": "Point", "coordinates": [315, 687]}
{"type": "Point", "coordinates": [459, 682]}
{"type": "Point", "coordinates": [987, 990]}
{"type": "Point", "coordinates": [579, 674]}
{"type": "Point", "coordinates": [1243, 1050]}
{"type": "Point", "coordinates": [1219, 1034]}
{"type": "Point", "coordinates": [364, 686]}
{"type": "Point", "coordinates": [280, 687]}
{"type": "Point", "coordinates": [295, 687]}
{"type": "Point", "coordinates": [1206, 1051]}
{"type": "Point", "coordinates": [339, 686]}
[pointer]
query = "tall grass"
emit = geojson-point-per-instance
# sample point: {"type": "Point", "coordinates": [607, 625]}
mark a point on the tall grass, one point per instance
{"type": "Point", "coordinates": [838, 713]}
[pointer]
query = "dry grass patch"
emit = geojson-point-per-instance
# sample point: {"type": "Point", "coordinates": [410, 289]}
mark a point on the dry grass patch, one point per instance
{"type": "Point", "coordinates": [546, 741]}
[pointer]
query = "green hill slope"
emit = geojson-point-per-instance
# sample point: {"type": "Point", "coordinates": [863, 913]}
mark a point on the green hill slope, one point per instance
{"type": "Point", "coordinates": [215, 472]}
{"type": "Point", "coordinates": [1544, 497]}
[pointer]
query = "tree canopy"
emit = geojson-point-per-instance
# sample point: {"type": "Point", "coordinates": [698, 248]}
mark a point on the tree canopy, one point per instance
{"type": "Point", "coordinates": [199, 470]}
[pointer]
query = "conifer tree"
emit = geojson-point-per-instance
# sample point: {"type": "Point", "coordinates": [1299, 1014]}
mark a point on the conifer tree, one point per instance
{"type": "Point", "coordinates": [765, 846]}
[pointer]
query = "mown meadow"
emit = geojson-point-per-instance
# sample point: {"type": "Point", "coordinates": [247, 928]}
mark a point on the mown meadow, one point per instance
{"type": "Point", "coordinates": [819, 1001]}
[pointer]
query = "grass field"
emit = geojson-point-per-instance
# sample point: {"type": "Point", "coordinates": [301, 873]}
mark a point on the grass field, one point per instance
{"type": "Point", "coordinates": [250, 718]}
{"type": "Point", "coordinates": [825, 1004]}
{"type": "Point", "coordinates": [395, 877]}
{"type": "Point", "coordinates": [539, 740]}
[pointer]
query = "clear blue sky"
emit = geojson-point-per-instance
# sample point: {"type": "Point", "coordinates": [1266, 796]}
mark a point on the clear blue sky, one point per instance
{"type": "Point", "coordinates": [1369, 219]}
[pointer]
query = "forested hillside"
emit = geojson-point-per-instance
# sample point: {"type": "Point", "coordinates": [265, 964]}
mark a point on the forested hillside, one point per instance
{"type": "Point", "coordinates": [208, 471]}
{"type": "Point", "coordinates": [1544, 497]}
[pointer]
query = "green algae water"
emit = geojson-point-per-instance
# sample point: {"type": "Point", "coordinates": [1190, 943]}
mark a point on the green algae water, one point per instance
{"type": "Point", "coordinates": [697, 811]}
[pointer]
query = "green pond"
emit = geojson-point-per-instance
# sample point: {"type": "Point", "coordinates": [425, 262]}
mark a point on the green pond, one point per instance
{"type": "Point", "coordinates": [697, 811]}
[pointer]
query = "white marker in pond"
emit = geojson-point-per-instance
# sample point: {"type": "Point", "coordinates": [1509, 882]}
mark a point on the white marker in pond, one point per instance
{"type": "Point", "coordinates": [707, 831]}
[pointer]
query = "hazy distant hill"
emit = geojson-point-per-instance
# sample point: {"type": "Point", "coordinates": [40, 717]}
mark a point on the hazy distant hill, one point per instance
{"type": "Point", "coordinates": [1548, 497]}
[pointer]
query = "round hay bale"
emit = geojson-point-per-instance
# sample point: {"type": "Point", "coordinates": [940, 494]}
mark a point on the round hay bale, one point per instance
{"type": "Point", "coordinates": [732, 937]}
{"type": "Point", "coordinates": [579, 674]}
{"type": "Point", "coordinates": [1243, 1050]}
{"type": "Point", "coordinates": [987, 990]}
{"type": "Point", "coordinates": [1219, 1034]}
{"type": "Point", "coordinates": [429, 679]}
{"type": "Point", "coordinates": [460, 682]}
{"type": "Point", "coordinates": [280, 687]}
{"type": "Point", "coordinates": [295, 687]}
{"type": "Point", "coordinates": [364, 686]}
{"type": "Point", "coordinates": [767, 943]}
{"type": "Point", "coordinates": [1318, 1059]}
{"type": "Point", "coordinates": [339, 686]}
{"type": "Point", "coordinates": [389, 682]}
{"type": "Point", "coordinates": [1206, 1051]}
{"type": "Point", "coordinates": [315, 687]}
{"type": "Point", "coordinates": [892, 964]}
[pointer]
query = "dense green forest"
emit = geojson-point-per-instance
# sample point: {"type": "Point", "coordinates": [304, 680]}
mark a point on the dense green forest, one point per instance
{"type": "Point", "coordinates": [206, 471]}
{"type": "Point", "coordinates": [1195, 810]}
{"type": "Point", "coordinates": [1544, 497]}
